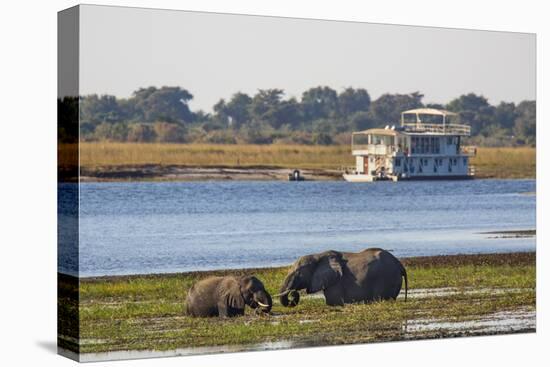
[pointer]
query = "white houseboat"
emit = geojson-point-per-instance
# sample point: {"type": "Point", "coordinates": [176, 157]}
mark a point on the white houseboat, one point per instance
{"type": "Point", "coordinates": [427, 145]}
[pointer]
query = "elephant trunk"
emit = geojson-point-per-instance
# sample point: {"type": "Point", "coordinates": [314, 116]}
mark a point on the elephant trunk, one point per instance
{"type": "Point", "coordinates": [289, 296]}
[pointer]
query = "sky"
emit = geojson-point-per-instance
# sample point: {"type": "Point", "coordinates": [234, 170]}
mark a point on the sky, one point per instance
{"type": "Point", "coordinates": [215, 55]}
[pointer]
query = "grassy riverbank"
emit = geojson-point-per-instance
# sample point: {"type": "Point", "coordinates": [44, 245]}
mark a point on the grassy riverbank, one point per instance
{"type": "Point", "coordinates": [147, 312]}
{"type": "Point", "coordinates": [505, 162]}
{"type": "Point", "coordinates": [119, 161]}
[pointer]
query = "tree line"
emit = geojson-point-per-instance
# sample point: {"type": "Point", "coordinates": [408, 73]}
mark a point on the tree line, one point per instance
{"type": "Point", "coordinates": [320, 116]}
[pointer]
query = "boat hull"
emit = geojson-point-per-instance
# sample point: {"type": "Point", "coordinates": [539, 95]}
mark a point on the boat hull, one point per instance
{"type": "Point", "coordinates": [367, 178]}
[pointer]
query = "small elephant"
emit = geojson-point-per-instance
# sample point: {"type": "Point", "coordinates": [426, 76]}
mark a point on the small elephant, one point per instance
{"type": "Point", "coordinates": [227, 296]}
{"type": "Point", "coordinates": [345, 277]}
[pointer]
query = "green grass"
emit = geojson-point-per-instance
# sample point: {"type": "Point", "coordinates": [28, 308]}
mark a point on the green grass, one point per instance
{"type": "Point", "coordinates": [147, 312]}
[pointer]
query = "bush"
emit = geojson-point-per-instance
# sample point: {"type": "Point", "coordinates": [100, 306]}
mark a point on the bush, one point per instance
{"type": "Point", "coordinates": [220, 137]}
{"type": "Point", "coordinates": [321, 139]}
{"type": "Point", "coordinates": [169, 133]}
{"type": "Point", "coordinates": [141, 133]}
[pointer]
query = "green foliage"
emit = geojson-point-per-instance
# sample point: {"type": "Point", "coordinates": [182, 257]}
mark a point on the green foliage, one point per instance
{"type": "Point", "coordinates": [321, 116]}
{"type": "Point", "coordinates": [169, 133]}
{"type": "Point", "coordinates": [141, 133]}
{"type": "Point", "coordinates": [322, 139]}
{"type": "Point", "coordinates": [475, 110]}
{"type": "Point", "coordinates": [96, 109]}
{"type": "Point", "coordinates": [319, 102]}
{"type": "Point", "coordinates": [525, 123]}
{"type": "Point", "coordinates": [112, 132]}
{"type": "Point", "coordinates": [362, 121]}
{"type": "Point", "coordinates": [167, 104]}
{"type": "Point", "coordinates": [352, 101]}
{"type": "Point", "coordinates": [388, 107]}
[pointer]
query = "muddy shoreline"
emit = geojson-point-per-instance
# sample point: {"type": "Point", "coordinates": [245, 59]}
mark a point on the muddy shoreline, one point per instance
{"type": "Point", "coordinates": [156, 172]}
{"type": "Point", "coordinates": [511, 234]}
{"type": "Point", "coordinates": [192, 173]}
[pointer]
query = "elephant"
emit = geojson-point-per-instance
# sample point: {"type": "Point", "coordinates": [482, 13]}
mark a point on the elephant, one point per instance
{"type": "Point", "coordinates": [345, 277]}
{"type": "Point", "coordinates": [227, 296]}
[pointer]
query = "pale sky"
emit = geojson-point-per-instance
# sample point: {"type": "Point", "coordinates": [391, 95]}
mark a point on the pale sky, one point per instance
{"type": "Point", "coordinates": [216, 55]}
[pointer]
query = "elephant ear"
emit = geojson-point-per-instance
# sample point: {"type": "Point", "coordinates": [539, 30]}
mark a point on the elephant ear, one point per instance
{"type": "Point", "coordinates": [232, 296]}
{"type": "Point", "coordinates": [327, 273]}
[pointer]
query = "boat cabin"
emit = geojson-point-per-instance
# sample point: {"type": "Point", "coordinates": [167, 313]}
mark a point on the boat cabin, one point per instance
{"type": "Point", "coordinates": [426, 145]}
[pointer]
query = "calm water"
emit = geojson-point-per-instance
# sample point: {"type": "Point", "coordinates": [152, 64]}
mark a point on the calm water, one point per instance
{"type": "Point", "coordinates": [129, 228]}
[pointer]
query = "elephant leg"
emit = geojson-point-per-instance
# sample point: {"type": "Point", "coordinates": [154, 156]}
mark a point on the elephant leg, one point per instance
{"type": "Point", "coordinates": [223, 310]}
{"type": "Point", "coordinates": [385, 290]}
{"type": "Point", "coordinates": [334, 296]}
{"type": "Point", "coordinates": [228, 311]}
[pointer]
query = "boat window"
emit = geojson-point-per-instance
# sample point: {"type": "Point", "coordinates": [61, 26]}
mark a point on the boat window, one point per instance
{"type": "Point", "coordinates": [360, 139]}
{"type": "Point", "coordinates": [397, 162]}
{"type": "Point", "coordinates": [464, 161]}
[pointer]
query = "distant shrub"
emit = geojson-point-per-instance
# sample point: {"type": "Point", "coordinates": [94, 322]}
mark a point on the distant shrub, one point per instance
{"type": "Point", "coordinates": [321, 139]}
{"type": "Point", "coordinates": [141, 133]}
{"type": "Point", "coordinates": [220, 137]}
{"type": "Point", "coordinates": [169, 132]}
{"type": "Point", "coordinates": [342, 139]}
{"type": "Point", "coordinates": [103, 131]}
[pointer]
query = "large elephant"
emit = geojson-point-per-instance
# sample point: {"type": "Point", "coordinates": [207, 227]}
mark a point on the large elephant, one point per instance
{"type": "Point", "coordinates": [345, 277]}
{"type": "Point", "coordinates": [227, 296]}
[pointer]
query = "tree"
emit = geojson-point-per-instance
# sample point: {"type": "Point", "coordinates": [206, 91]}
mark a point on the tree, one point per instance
{"type": "Point", "coordinates": [167, 104]}
{"type": "Point", "coordinates": [388, 107]}
{"type": "Point", "coordinates": [361, 121]}
{"type": "Point", "coordinates": [474, 110]}
{"type": "Point", "coordinates": [525, 125]}
{"type": "Point", "coordinates": [238, 109]}
{"type": "Point", "coordinates": [268, 106]}
{"type": "Point", "coordinates": [319, 102]}
{"type": "Point", "coordinates": [352, 100]}
{"type": "Point", "coordinates": [97, 109]}
{"type": "Point", "coordinates": [505, 115]}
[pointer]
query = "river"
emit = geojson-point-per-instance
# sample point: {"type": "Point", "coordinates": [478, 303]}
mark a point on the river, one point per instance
{"type": "Point", "coordinates": [162, 227]}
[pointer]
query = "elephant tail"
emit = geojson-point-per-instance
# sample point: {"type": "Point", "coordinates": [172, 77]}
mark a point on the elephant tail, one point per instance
{"type": "Point", "coordinates": [404, 274]}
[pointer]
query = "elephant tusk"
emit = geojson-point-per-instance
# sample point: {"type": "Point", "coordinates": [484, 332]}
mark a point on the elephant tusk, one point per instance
{"type": "Point", "coordinates": [262, 304]}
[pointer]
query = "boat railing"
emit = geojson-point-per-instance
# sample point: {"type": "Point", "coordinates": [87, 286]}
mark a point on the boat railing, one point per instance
{"type": "Point", "coordinates": [450, 129]}
{"type": "Point", "coordinates": [375, 148]}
